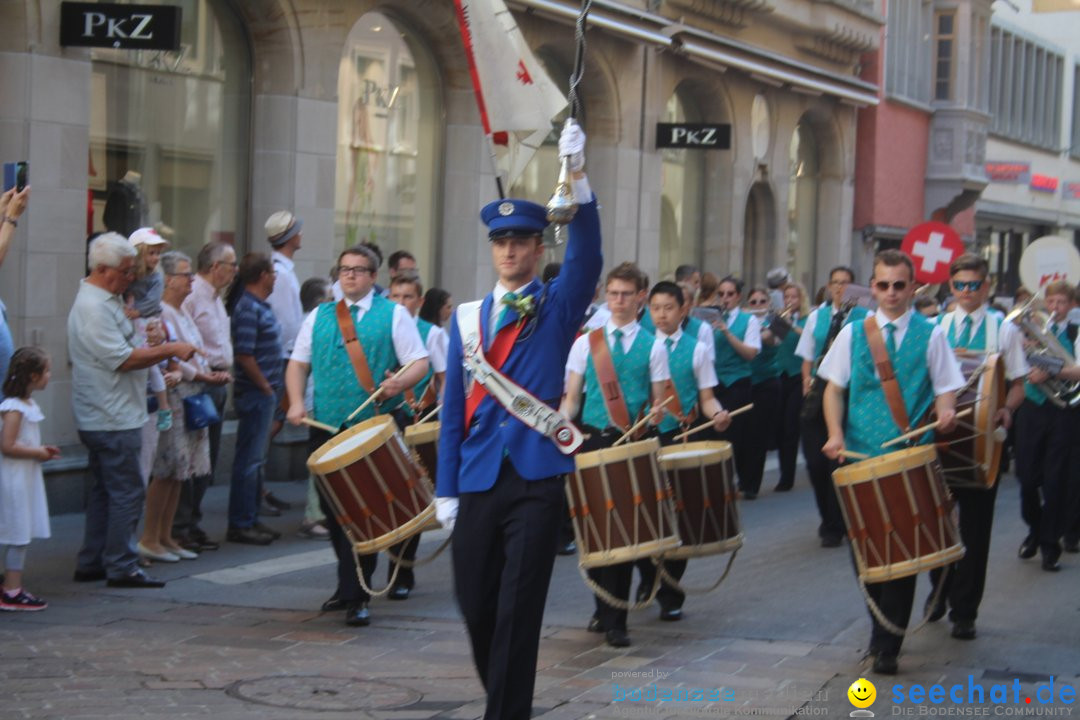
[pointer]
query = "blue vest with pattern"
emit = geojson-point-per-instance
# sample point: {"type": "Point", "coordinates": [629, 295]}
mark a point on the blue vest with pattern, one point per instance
{"type": "Point", "coordinates": [730, 366]}
{"type": "Point", "coordinates": [425, 329]}
{"type": "Point", "coordinates": [681, 364]}
{"type": "Point", "coordinates": [976, 342]}
{"type": "Point", "coordinates": [632, 371]}
{"type": "Point", "coordinates": [824, 319]}
{"type": "Point", "coordinates": [869, 422]}
{"type": "Point", "coordinates": [337, 391]}
{"type": "Point", "coordinates": [1033, 392]}
{"type": "Point", "coordinates": [789, 363]}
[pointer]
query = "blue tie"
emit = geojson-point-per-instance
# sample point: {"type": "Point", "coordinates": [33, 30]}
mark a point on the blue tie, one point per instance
{"type": "Point", "coordinates": [507, 298]}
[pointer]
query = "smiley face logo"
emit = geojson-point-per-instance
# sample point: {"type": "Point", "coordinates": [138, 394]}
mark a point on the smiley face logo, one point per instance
{"type": "Point", "coordinates": [862, 693]}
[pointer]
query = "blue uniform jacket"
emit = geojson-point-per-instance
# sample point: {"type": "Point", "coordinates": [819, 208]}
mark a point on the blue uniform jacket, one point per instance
{"type": "Point", "coordinates": [536, 363]}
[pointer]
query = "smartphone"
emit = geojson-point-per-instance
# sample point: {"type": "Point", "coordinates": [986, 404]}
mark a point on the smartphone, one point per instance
{"type": "Point", "coordinates": [16, 175]}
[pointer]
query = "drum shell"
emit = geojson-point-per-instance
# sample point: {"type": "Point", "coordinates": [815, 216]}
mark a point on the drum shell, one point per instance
{"type": "Point", "coordinates": [612, 523]}
{"type": "Point", "coordinates": [424, 440]}
{"type": "Point", "coordinates": [898, 514]}
{"type": "Point", "coordinates": [971, 458]}
{"type": "Point", "coordinates": [378, 492]}
{"type": "Point", "coordinates": [702, 479]}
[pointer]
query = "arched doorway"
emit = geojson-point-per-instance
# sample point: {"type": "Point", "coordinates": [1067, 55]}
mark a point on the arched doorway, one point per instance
{"type": "Point", "coordinates": [759, 233]}
{"type": "Point", "coordinates": [681, 190]}
{"type": "Point", "coordinates": [389, 125]}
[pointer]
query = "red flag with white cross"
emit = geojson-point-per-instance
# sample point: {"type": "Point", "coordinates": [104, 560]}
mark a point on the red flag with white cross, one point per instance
{"type": "Point", "coordinates": [932, 246]}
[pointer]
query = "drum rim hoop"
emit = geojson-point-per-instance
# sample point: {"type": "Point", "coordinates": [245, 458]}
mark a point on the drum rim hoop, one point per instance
{"type": "Point", "coordinates": [721, 448]}
{"type": "Point", "coordinates": [885, 465]}
{"type": "Point", "coordinates": [422, 433]}
{"type": "Point", "coordinates": [604, 456]}
{"type": "Point", "coordinates": [385, 430]}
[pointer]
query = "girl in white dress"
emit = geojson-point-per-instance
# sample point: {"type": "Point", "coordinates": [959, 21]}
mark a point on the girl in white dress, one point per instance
{"type": "Point", "coordinates": [24, 512]}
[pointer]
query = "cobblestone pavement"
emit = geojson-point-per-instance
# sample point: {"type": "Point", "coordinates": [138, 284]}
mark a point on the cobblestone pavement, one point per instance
{"type": "Point", "coordinates": [230, 638]}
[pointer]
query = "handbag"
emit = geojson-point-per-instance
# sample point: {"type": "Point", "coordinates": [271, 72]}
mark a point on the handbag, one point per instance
{"type": "Point", "coordinates": [200, 411]}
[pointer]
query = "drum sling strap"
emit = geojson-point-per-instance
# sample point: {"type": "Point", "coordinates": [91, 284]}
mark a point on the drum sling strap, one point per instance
{"type": "Point", "coordinates": [354, 349]}
{"type": "Point", "coordinates": [885, 371]}
{"type": "Point", "coordinates": [611, 391]}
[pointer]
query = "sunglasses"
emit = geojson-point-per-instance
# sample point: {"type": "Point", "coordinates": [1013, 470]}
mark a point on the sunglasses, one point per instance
{"type": "Point", "coordinates": [884, 285]}
{"type": "Point", "coordinates": [972, 285]}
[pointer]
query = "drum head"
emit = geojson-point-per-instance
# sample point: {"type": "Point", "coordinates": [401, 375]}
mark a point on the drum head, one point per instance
{"type": "Point", "coordinates": [884, 465]}
{"type": "Point", "coordinates": [423, 433]}
{"type": "Point", "coordinates": [351, 445]}
{"type": "Point", "coordinates": [615, 454]}
{"type": "Point", "coordinates": [991, 398]}
{"type": "Point", "coordinates": [696, 454]}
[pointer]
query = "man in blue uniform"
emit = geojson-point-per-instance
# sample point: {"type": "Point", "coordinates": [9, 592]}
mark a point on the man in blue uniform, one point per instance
{"type": "Point", "coordinates": [498, 477]}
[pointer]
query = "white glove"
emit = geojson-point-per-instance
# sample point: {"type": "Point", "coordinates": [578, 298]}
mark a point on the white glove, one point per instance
{"type": "Point", "coordinates": [572, 144]}
{"type": "Point", "coordinates": [446, 511]}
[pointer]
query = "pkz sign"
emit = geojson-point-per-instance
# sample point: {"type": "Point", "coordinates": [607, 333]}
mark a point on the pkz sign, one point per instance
{"type": "Point", "coordinates": [696, 136]}
{"type": "Point", "coordinates": [132, 27]}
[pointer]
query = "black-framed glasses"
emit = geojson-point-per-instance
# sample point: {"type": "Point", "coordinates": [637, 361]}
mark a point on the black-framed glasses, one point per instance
{"type": "Point", "coordinates": [897, 285]}
{"type": "Point", "coordinates": [354, 269]}
{"type": "Point", "coordinates": [971, 285]}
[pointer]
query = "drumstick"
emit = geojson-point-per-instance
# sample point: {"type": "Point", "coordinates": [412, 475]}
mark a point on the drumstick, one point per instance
{"type": "Point", "coordinates": [429, 415]}
{"type": "Point", "coordinates": [705, 425]}
{"type": "Point", "coordinates": [925, 428]}
{"type": "Point", "coordinates": [316, 424]}
{"type": "Point", "coordinates": [642, 421]}
{"type": "Point", "coordinates": [378, 391]}
{"type": "Point", "coordinates": [853, 455]}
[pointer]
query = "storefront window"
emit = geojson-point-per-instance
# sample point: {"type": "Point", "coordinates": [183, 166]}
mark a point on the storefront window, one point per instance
{"type": "Point", "coordinates": [681, 188]}
{"type": "Point", "coordinates": [803, 204]}
{"type": "Point", "coordinates": [389, 118]}
{"type": "Point", "coordinates": [169, 133]}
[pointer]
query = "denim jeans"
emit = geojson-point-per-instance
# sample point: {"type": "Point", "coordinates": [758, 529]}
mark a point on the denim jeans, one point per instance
{"type": "Point", "coordinates": [115, 502]}
{"type": "Point", "coordinates": [254, 411]}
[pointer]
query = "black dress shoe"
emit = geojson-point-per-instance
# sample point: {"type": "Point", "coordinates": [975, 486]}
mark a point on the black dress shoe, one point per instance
{"type": "Point", "coordinates": [885, 664]}
{"type": "Point", "coordinates": [617, 638]}
{"type": "Point", "coordinates": [783, 487]}
{"type": "Point", "coordinates": [749, 495]}
{"type": "Point", "coordinates": [964, 630]}
{"type": "Point", "coordinates": [670, 614]}
{"type": "Point", "coordinates": [267, 510]}
{"type": "Point", "coordinates": [274, 501]}
{"type": "Point", "coordinates": [334, 603]}
{"type": "Point", "coordinates": [136, 579]}
{"type": "Point", "coordinates": [273, 534]}
{"type": "Point", "coordinates": [934, 611]}
{"type": "Point", "coordinates": [357, 615]}
{"type": "Point", "coordinates": [399, 592]}
{"type": "Point", "coordinates": [831, 540]}
{"type": "Point", "coordinates": [89, 575]}
{"type": "Point", "coordinates": [1029, 547]}
{"type": "Point", "coordinates": [247, 536]}
{"type": "Point", "coordinates": [1050, 564]}
{"type": "Point", "coordinates": [569, 548]}
{"type": "Point", "coordinates": [1072, 545]}
{"type": "Point", "coordinates": [594, 625]}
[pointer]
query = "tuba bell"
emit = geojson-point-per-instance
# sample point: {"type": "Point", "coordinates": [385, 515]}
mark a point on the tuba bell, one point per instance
{"type": "Point", "coordinates": [1045, 352]}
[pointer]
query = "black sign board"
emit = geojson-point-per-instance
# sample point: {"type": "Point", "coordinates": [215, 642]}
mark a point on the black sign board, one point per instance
{"type": "Point", "coordinates": [696, 136]}
{"type": "Point", "coordinates": [131, 27]}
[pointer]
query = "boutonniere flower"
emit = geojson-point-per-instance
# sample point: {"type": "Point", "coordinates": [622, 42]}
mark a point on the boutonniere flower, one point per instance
{"type": "Point", "coordinates": [521, 304]}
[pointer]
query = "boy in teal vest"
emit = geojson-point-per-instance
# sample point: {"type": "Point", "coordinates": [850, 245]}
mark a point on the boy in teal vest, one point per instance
{"type": "Point", "coordinates": [693, 378]}
{"type": "Point", "coordinates": [388, 338]}
{"type": "Point", "coordinates": [641, 371]}
{"type": "Point", "coordinates": [974, 328]}
{"type": "Point", "coordinates": [822, 324]}
{"type": "Point", "coordinates": [927, 373]}
{"type": "Point", "coordinates": [1045, 436]}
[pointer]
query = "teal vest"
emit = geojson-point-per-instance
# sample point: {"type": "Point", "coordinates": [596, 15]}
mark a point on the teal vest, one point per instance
{"type": "Point", "coordinates": [730, 366]}
{"type": "Point", "coordinates": [789, 363]}
{"type": "Point", "coordinates": [646, 323]}
{"type": "Point", "coordinates": [681, 364]}
{"type": "Point", "coordinates": [425, 329]}
{"type": "Point", "coordinates": [691, 326]}
{"type": "Point", "coordinates": [764, 366]}
{"type": "Point", "coordinates": [977, 342]}
{"type": "Point", "coordinates": [337, 391]}
{"type": "Point", "coordinates": [1033, 392]}
{"type": "Point", "coordinates": [869, 422]}
{"type": "Point", "coordinates": [632, 370]}
{"type": "Point", "coordinates": [824, 319]}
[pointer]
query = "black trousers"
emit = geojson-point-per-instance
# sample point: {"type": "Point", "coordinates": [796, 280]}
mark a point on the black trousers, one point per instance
{"type": "Point", "coordinates": [1045, 435]}
{"type": "Point", "coordinates": [407, 551]}
{"type": "Point", "coordinates": [787, 440]}
{"type": "Point", "coordinates": [348, 584]}
{"type": "Point", "coordinates": [503, 553]}
{"type": "Point", "coordinates": [820, 468]}
{"type": "Point", "coordinates": [733, 397]}
{"type": "Point", "coordinates": [895, 599]}
{"type": "Point", "coordinates": [966, 579]}
{"type": "Point", "coordinates": [763, 421]}
{"type": "Point", "coordinates": [668, 597]}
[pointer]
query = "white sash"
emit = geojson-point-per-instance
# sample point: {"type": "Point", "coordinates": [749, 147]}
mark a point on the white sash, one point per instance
{"type": "Point", "coordinates": [519, 402]}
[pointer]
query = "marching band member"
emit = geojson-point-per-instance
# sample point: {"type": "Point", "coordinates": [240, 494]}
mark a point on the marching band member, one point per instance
{"type": "Point", "coordinates": [926, 372]}
{"type": "Point", "coordinates": [387, 337]}
{"type": "Point", "coordinates": [619, 367]}
{"type": "Point", "coordinates": [764, 393]}
{"type": "Point", "coordinates": [738, 340]}
{"type": "Point", "coordinates": [693, 378]}
{"type": "Point", "coordinates": [973, 327]}
{"type": "Point", "coordinates": [822, 326]}
{"type": "Point", "coordinates": [1045, 434]}
{"type": "Point", "coordinates": [791, 385]}
{"type": "Point", "coordinates": [502, 449]}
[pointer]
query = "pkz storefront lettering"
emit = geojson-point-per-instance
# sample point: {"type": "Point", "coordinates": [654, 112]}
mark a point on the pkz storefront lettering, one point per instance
{"type": "Point", "coordinates": [699, 136]}
{"type": "Point", "coordinates": [132, 27]}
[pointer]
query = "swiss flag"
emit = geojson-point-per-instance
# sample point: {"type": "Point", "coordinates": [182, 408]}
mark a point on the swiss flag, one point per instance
{"type": "Point", "coordinates": [932, 246]}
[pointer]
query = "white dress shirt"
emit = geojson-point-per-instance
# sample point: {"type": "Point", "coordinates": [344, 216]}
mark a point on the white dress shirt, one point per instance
{"type": "Point", "coordinates": [438, 343]}
{"type": "Point", "coordinates": [285, 301]}
{"type": "Point", "coordinates": [406, 338]}
{"type": "Point", "coordinates": [599, 318]}
{"type": "Point", "coordinates": [945, 375]}
{"type": "Point", "coordinates": [704, 369]}
{"type": "Point", "coordinates": [658, 364]}
{"type": "Point", "coordinates": [752, 337]}
{"type": "Point", "coordinates": [208, 311]}
{"type": "Point", "coordinates": [1009, 342]}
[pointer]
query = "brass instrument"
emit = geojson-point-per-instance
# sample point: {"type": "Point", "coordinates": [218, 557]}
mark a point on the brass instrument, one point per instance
{"type": "Point", "coordinates": [1044, 351]}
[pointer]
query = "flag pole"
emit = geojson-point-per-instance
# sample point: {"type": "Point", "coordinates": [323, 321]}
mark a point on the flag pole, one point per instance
{"type": "Point", "coordinates": [466, 38]}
